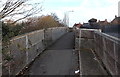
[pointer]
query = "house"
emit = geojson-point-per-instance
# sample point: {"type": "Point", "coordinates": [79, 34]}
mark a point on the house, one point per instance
{"type": "Point", "coordinates": [103, 23]}
{"type": "Point", "coordinates": [92, 21]}
{"type": "Point", "coordinates": [92, 24]}
{"type": "Point", "coordinates": [77, 25]}
{"type": "Point", "coordinates": [116, 20]}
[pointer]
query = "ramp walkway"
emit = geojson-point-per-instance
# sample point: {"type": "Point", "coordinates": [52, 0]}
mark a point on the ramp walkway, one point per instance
{"type": "Point", "coordinates": [58, 59]}
{"type": "Point", "coordinates": [62, 59]}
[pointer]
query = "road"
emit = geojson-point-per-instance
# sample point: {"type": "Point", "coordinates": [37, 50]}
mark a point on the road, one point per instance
{"type": "Point", "coordinates": [58, 59]}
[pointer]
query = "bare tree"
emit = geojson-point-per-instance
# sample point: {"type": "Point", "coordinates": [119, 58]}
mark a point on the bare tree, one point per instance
{"type": "Point", "coordinates": [55, 17]}
{"type": "Point", "coordinates": [21, 8]}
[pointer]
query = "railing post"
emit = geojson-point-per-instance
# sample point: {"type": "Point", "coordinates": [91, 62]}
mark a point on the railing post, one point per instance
{"type": "Point", "coordinates": [26, 48]}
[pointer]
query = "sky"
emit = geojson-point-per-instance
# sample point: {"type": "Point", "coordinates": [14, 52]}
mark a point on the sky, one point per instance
{"type": "Point", "coordinates": [83, 10]}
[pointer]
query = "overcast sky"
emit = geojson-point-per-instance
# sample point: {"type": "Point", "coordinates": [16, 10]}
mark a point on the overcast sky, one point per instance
{"type": "Point", "coordinates": [83, 9]}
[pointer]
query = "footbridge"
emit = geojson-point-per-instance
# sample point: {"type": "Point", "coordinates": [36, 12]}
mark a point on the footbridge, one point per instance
{"type": "Point", "coordinates": [63, 51]}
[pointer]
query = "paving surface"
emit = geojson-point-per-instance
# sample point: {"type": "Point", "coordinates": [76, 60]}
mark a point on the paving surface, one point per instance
{"type": "Point", "coordinates": [90, 65]}
{"type": "Point", "coordinates": [59, 59]}
{"type": "Point", "coordinates": [62, 59]}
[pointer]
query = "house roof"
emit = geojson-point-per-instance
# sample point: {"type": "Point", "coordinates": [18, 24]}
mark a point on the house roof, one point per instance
{"type": "Point", "coordinates": [116, 19]}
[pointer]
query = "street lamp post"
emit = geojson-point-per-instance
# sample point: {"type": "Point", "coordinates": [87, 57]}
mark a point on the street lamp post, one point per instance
{"type": "Point", "coordinates": [66, 18]}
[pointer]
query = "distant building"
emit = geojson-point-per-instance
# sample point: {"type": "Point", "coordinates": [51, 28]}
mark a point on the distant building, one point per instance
{"type": "Point", "coordinates": [92, 21]}
{"type": "Point", "coordinates": [77, 25]}
{"type": "Point", "coordinates": [85, 25]}
{"type": "Point", "coordinates": [116, 20]}
{"type": "Point", "coordinates": [92, 24]}
{"type": "Point", "coordinates": [119, 9]}
{"type": "Point", "coordinates": [103, 23]}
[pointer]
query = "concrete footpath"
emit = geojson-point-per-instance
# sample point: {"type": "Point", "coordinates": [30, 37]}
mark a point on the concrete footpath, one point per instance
{"type": "Point", "coordinates": [89, 64]}
{"type": "Point", "coordinates": [59, 59]}
{"type": "Point", "coordinates": [62, 59]}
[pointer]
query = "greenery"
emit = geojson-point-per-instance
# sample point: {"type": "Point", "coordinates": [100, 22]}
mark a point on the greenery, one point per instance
{"type": "Point", "coordinates": [10, 30]}
{"type": "Point", "coordinates": [35, 23]}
